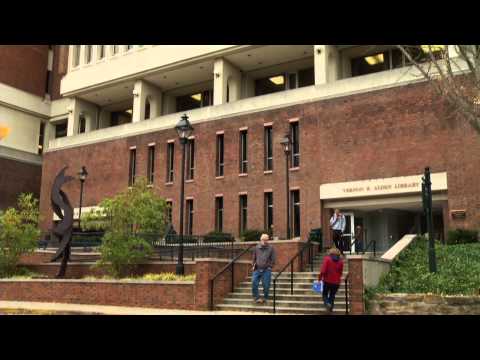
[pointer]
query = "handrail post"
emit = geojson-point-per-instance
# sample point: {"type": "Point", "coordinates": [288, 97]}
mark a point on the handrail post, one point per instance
{"type": "Point", "coordinates": [346, 294]}
{"type": "Point", "coordinates": [291, 278]}
{"type": "Point", "coordinates": [233, 276]}
{"type": "Point", "coordinates": [211, 296]}
{"type": "Point", "coordinates": [374, 248]}
{"type": "Point", "coordinates": [274, 293]}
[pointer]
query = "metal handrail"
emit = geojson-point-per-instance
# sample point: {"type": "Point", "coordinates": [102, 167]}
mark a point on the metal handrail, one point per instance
{"type": "Point", "coordinates": [230, 264]}
{"type": "Point", "coordinates": [347, 281]}
{"type": "Point", "coordinates": [374, 247]}
{"type": "Point", "coordinates": [290, 263]}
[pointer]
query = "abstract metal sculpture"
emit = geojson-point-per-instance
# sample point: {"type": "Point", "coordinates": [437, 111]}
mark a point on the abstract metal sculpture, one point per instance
{"type": "Point", "coordinates": [62, 232]}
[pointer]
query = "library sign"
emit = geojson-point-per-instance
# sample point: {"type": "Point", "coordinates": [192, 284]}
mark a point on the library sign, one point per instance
{"type": "Point", "coordinates": [378, 187]}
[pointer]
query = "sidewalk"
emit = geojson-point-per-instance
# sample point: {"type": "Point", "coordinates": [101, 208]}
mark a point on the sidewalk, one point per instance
{"type": "Point", "coordinates": [78, 309]}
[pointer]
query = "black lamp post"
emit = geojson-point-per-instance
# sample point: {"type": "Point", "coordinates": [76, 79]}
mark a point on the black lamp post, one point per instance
{"type": "Point", "coordinates": [184, 130]}
{"type": "Point", "coordinates": [82, 175]}
{"type": "Point", "coordinates": [287, 148]}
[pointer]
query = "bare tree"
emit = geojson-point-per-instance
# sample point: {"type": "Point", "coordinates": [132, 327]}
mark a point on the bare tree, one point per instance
{"type": "Point", "coordinates": [454, 72]}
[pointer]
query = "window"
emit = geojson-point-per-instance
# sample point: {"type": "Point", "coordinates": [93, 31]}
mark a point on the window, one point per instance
{"type": "Point", "coordinates": [306, 77]}
{"type": "Point", "coordinates": [169, 212]}
{"type": "Point", "coordinates": [120, 117]}
{"type": "Point", "coordinates": [220, 155]}
{"type": "Point", "coordinates": [76, 55]}
{"type": "Point", "coordinates": [101, 51]}
{"type": "Point", "coordinates": [190, 159]}
{"type": "Point", "coordinates": [194, 101]}
{"type": "Point", "coordinates": [243, 152]}
{"type": "Point", "coordinates": [270, 85]}
{"type": "Point", "coordinates": [295, 136]}
{"type": "Point", "coordinates": [219, 214]}
{"type": "Point", "coordinates": [114, 49]}
{"type": "Point", "coordinates": [189, 219]}
{"type": "Point", "coordinates": [268, 211]}
{"type": "Point", "coordinates": [133, 167]}
{"type": "Point", "coordinates": [170, 158]}
{"type": "Point", "coordinates": [61, 130]}
{"type": "Point", "coordinates": [129, 47]}
{"type": "Point", "coordinates": [151, 164]}
{"type": "Point", "coordinates": [243, 213]}
{"type": "Point", "coordinates": [286, 81]}
{"type": "Point", "coordinates": [82, 123]}
{"type": "Point", "coordinates": [268, 140]}
{"type": "Point", "coordinates": [47, 82]}
{"type": "Point", "coordinates": [295, 221]}
{"type": "Point", "coordinates": [147, 109]}
{"type": "Point", "coordinates": [88, 54]}
{"type": "Point", "coordinates": [41, 138]}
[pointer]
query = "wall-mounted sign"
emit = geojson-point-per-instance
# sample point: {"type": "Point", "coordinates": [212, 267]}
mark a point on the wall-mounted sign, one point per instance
{"type": "Point", "coordinates": [376, 187]}
{"type": "Point", "coordinates": [458, 214]}
{"type": "Point", "coordinates": [4, 131]}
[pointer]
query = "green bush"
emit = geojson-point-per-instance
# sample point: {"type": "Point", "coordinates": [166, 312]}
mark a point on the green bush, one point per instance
{"type": "Point", "coordinates": [458, 270]}
{"type": "Point", "coordinates": [216, 236]}
{"type": "Point", "coordinates": [462, 236]}
{"type": "Point", "coordinates": [19, 233]}
{"type": "Point", "coordinates": [126, 218]}
{"type": "Point", "coordinates": [251, 235]}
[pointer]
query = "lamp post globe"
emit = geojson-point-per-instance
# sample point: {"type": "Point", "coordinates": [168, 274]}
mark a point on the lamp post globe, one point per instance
{"type": "Point", "coordinates": [287, 145]}
{"type": "Point", "coordinates": [184, 130]}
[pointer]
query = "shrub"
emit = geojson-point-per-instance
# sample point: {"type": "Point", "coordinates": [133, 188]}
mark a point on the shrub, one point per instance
{"type": "Point", "coordinates": [251, 235]}
{"type": "Point", "coordinates": [19, 233]}
{"type": "Point", "coordinates": [216, 236]}
{"type": "Point", "coordinates": [462, 236]}
{"type": "Point", "coordinates": [128, 219]}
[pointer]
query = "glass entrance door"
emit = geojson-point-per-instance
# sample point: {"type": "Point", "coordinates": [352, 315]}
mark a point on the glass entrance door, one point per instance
{"type": "Point", "coordinates": [348, 234]}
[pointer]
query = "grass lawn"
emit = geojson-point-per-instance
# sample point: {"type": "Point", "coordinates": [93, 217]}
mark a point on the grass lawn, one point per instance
{"type": "Point", "coordinates": [458, 270]}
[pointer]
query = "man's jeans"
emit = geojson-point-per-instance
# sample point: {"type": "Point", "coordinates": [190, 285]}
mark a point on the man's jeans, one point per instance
{"type": "Point", "coordinates": [265, 276]}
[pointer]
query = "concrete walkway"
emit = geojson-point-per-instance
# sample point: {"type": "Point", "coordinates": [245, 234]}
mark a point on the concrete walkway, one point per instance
{"type": "Point", "coordinates": [11, 307]}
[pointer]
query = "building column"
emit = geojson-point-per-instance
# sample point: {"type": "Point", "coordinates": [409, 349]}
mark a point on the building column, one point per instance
{"type": "Point", "coordinates": [226, 76]}
{"type": "Point", "coordinates": [48, 135]}
{"type": "Point", "coordinates": [141, 92]}
{"type": "Point", "coordinates": [76, 108]}
{"type": "Point", "coordinates": [326, 62]}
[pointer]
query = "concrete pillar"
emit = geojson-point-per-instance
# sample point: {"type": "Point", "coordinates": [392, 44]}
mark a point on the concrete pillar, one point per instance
{"type": "Point", "coordinates": [48, 135]}
{"type": "Point", "coordinates": [226, 75]}
{"type": "Point", "coordinates": [327, 64]}
{"type": "Point", "coordinates": [141, 92]}
{"type": "Point", "coordinates": [79, 107]}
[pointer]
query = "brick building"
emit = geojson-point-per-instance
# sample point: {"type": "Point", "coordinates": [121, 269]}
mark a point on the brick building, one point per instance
{"type": "Point", "coordinates": [363, 128]}
{"type": "Point", "coordinates": [29, 98]}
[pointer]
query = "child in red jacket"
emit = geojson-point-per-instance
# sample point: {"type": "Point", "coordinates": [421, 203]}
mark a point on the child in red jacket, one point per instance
{"type": "Point", "coordinates": [331, 275]}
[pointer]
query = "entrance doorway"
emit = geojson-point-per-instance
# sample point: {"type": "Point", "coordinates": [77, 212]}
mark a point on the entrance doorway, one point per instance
{"type": "Point", "coordinates": [352, 220]}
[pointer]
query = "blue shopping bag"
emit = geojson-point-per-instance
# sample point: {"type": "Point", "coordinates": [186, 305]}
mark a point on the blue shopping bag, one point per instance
{"type": "Point", "coordinates": [317, 286]}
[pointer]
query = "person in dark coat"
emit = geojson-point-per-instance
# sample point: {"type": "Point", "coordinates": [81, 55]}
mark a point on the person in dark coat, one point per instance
{"type": "Point", "coordinates": [262, 264]}
{"type": "Point", "coordinates": [331, 275]}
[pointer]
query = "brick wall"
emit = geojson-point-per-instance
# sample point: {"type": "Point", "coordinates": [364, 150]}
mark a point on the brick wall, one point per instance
{"type": "Point", "coordinates": [385, 133]}
{"type": "Point", "coordinates": [17, 177]}
{"type": "Point", "coordinates": [24, 67]}
{"type": "Point", "coordinates": [356, 286]}
{"type": "Point", "coordinates": [154, 295]}
{"type": "Point", "coordinates": [424, 304]}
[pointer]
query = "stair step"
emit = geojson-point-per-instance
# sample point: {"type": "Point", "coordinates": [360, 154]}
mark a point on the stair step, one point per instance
{"type": "Point", "coordinates": [280, 309]}
{"type": "Point", "coordinates": [313, 297]}
{"type": "Point", "coordinates": [285, 291]}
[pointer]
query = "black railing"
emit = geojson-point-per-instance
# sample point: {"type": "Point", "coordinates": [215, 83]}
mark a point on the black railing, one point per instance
{"type": "Point", "coordinates": [347, 290]}
{"type": "Point", "coordinates": [231, 265]}
{"type": "Point", "coordinates": [300, 253]}
{"type": "Point", "coordinates": [372, 243]}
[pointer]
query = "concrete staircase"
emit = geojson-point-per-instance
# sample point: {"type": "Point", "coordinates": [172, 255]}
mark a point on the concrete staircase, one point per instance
{"type": "Point", "coordinates": [303, 301]}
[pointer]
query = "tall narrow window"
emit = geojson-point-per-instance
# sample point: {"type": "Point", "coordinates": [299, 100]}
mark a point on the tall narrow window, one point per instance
{"type": "Point", "coordinates": [243, 213]}
{"type": "Point", "coordinates": [190, 159]}
{"type": "Point", "coordinates": [88, 54]}
{"type": "Point", "coordinates": [114, 49]}
{"type": "Point", "coordinates": [243, 152]}
{"type": "Point", "coordinates": [133, 167]}
{"type": "Point", "coordinates": [76, 55]}
{"type": "Point", "coordinates": [101, 52]}
{"type": "Point", "coordinates": [151, 164]}
{"type": "Point", "coordinates": [220, 155]}
{"type": "Point", "coordinates": [295, 136]}
{"type": "Point", "coordinates": [219, 214]}
{"type": "Point", "coordinates": [47, 83]}
{"type": "Point", "coordinates": [295, 201]}
{"type": "Point", "coordinates": [170, 159]}
{"type": "Point", "coordinates": [169, 212]}
{"type": "Point", "coordinates": [82, 123]}
{"type": "Point", "coordinates": [268, 161]}
{"type": "Point", "coordinates": [41, 138]}
{"type": "Point", "coordinates": [268, 211]}
{"type": "Point", "coordinates": [189, 219]}
{"type": "Point", "coordinates": [129, 47]}
{"type": "Point", "coordinates": [147, 109]}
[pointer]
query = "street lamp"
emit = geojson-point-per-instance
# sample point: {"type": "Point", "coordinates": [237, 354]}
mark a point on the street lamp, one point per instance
{"type": "Point", "coordinates": [184, 130]}
{"type": "Point", "coordinates": [82, 175]}
{"type": "Point", "coordinates": [287, 148]}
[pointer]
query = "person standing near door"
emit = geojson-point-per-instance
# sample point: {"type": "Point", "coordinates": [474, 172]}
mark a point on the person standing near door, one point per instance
{"type": "Point", "coordinates": [338, 223]}
{"type": "Point", "coordinates": [331, 275]}
{"type": "Point", "coordinates": [358, 238]}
